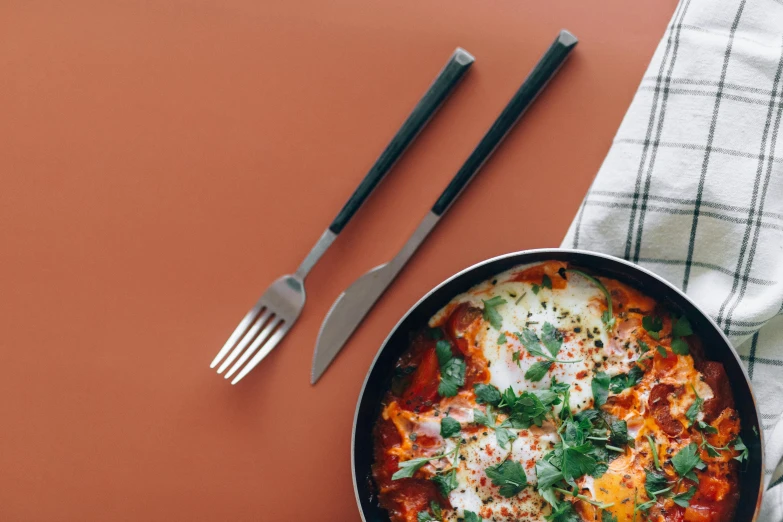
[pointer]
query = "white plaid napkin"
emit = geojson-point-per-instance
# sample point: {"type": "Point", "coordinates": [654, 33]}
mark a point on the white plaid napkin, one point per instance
{"type": "Point", "coordinates": [692, 187]}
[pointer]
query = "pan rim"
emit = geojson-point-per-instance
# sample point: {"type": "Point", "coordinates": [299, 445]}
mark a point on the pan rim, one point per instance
{"type": "Point", "coordinates": [553, 251]}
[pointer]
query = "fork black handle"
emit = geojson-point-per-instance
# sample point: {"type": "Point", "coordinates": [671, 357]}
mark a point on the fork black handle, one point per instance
{"type": "Point", "coordinates": [444, 84]}
{"type": "Point", "coordinates": [544, 70]}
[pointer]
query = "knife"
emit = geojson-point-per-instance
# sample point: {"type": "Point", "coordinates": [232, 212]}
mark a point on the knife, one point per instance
{"type": "Point", "coordinates": [357, 300]}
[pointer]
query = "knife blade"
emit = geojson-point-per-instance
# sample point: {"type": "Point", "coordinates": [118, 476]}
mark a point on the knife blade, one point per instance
{"type": "Point", "coordinates": [353, 305]}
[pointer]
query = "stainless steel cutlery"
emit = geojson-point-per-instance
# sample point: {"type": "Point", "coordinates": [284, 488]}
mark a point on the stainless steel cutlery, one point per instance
{"type": "Point", "coordinates": [277, 310]}
{"type": "Point", "coordinates": [355, 303]}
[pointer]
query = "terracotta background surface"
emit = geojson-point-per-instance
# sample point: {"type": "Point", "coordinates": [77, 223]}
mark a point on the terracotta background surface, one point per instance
{"type": "Point", "coordinates": [162, 162]}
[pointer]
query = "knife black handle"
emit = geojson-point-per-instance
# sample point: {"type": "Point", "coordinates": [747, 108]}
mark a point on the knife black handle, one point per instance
{"type": "Point", "coordinates": [444, 84]}
{"type": "Point", "coordinates": [544, 70]}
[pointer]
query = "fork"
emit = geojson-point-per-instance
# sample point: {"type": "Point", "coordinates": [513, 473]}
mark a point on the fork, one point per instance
{"type": "Point", "coordinates": [270, 319]}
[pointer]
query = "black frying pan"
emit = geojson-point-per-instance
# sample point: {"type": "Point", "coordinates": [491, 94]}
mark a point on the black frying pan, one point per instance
{"type": "Point", "coordinates": [716, 347]}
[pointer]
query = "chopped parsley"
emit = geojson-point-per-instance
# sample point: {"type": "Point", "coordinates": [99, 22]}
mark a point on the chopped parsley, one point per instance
{"type": "Point", "coordinates": [502, 338]}
{"type": "Point", "coordinates": [408, 468]}
{"type": "Point", "coordinates": [600, 387]}
{"type": "Point", "coordinates": [662, 351]}
{"type": "Point", "coordinates": [682, 327]}
{"type": "Point", "coordinates": [679, 346]}
{"type": "Point", "coordinates": [446, 482]}
{"type": "Point", "coordinates": [551, 339]}
{"type": "Point", "coordinates": [740, 446]}
{"type": "Point", "coordinates": [607, 516]}
{"type": "Point", "coordinates": [509, 476]}
{"type": "Point", "coordinates": [653, 325]}
{"type": "Point", "coordinates": [449, 427]}
{"type": "Point", "coordinates": [486, 393]}
{"type": "Point", "coordinates": [626, 380]}
{"type": "Point", "coordinates": [695, 408]}
{"type": "Point", "coordinates": [490, 313]}
{"type": "Point", "coordinates": [686, 460]}
{"type": "Point", "coordinates": [452, 370]}
{"type": "Point", "coordinates": [683, 499]}
{"type": "Point", "coordinates": [502, 433]}
{"type": "Point", "coordinates": [471, 517]}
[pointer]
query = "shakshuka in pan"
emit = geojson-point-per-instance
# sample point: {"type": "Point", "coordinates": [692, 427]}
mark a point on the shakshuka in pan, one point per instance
{"type": "Point", "coordinates": [548, 393]}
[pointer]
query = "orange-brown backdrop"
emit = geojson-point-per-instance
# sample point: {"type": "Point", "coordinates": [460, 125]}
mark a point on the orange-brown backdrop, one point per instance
{"type": "Point", "coordinates": [162, 162]}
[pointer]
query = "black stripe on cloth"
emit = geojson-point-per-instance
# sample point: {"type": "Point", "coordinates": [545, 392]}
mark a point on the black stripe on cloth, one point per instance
{"type": "Point", "coordinates": [763, 360]}
{"type": "Point", "coordinates": [683, 201]}
{"type": "Point", "coordinates": [712, 83]}
{"type": "Point", "coordinates": [671, 42]}
{"type": "Point", "coordinates": [658, 132]}
{"type": "Point", "coordinates": [763, 198]}
{"type": "Point", "coordinates": [752, 356]}
{"type": "Point", "coordinates": [711, 94]}
{"type": "Point", "coordinates": [776, 482]}
{"type": "Point", "coordinates": [769, 416]}
{"type": "Point", "coordinates": [708, 266]}
{"type": "Point", "coordinates": [696, 147]}
{"type": "Point", "coordinates": [685, 212]}
{"type": "Point", "coordinates": [707, 150]}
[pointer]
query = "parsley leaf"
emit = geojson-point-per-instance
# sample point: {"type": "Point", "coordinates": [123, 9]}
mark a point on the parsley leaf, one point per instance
{"type": "Point", "coordinates": [682, 327]}
{"type": "Point", "coordinates": [707, 428]}
{"type": "Point", "coordinates": [424, 516]}
{"type": "Point", "coordinates": [564, 512]}
{"type": "Point", "coordinates": [546, 282]}
{"type": "Point", "coordinates": [449, 427]}
{"type": "Point", "coordinates": [530, 341]}
{"type": "Point", "coordinates": [686, 459]}
{"type": "Point", "coordinates": [653, 325]}
{"type": "Point", "coordinates": [656, 483]}
{"type": "Point", "coordinates": [516, 356]}
{"type": "Point", "coordinates": [490, 313]}
{"type": "Point", "coordinates": [695, 408]}
{"type": "Point", "coordinates": [443, 351]}
{"type": "Point", "coordinates": [607, 516]}
{"type": "Point", "coordinates": [538, 370]}
{"type": "Point", "coordinates": [487, 419]}
{"type": "Point", "coordinates": [643, 347]}
{"type": "Point", "coordinates": [548, 475]}
{"type": "Point", "coordinates": [509, 476]}
{"type": "Point", "coordinates": [683, 499]}
{"type": "Point", "coordinates": [552, 338]}
{"type": "Point", "coordinates": [504, 436]}
{"type": "Point", "coordinates": [740, 446]}
{"type": "Point", "coordinates": [436, 509]}
{"type": "Point", "coordinates": [576, 463]}
{"type": "Point", "coordinates": [626, 380]}
{"type": "Point", "coordinates": [452, 370]}
{"type": "Point", "coordinates": [446, 482]}
{"type": "Point", "coordinates": [486, 393]}
{"type": "Point", "coordinates": [536, 288]}
{"type": "Point", "coordinates": [680, 347]}
{"type": "Point", "coordinates": [600, 388]}
{"type": "Point", "coordinates": [618, 433]}
{"type": "Point", "coordinates": [408, 467]}
{"type": "Point", "coordinates": [502, 338]}
{"type": "Point", "coordinates": [662, 351]}
{"type": "Point", "coordinates": [471, 517]}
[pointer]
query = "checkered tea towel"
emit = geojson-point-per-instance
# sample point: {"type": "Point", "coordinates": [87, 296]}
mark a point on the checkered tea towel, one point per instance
{"type": "Point", "coordinates": [692, 187]}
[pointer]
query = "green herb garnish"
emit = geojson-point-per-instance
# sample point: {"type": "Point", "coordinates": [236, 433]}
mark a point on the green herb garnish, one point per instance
{"type": "Point", "coordinates": [449, 427]}
{"type": "Point", "coordinates": [490, 313]}
{"type": "Point", "coordinates": [600, 387]}
{"type": "Point", "coordinates": [509, 476]}
{"type": "Point", "coordinates": [653, 325]}
{"type": "Point", "coordinates": [452, 370]}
